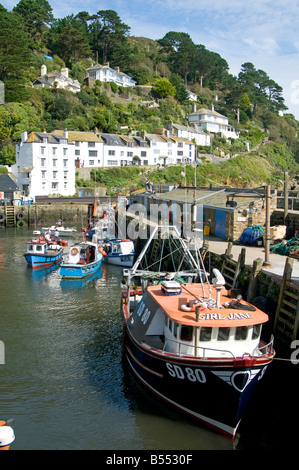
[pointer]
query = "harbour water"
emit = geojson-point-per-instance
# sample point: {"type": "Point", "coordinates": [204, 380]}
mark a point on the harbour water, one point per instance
{"type": "Point", "coordinates": [64, 381]}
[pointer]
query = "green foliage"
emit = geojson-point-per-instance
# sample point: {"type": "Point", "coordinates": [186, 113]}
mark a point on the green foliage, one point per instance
{"type": "Point", "coordinates": [163, 88]}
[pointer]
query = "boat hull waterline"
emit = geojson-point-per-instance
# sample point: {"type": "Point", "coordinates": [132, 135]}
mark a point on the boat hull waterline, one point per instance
{"type": "Point", "coordinates": [214, 394]}
{"type": "Point", "coordinates": [73, 271]}
{"type": "Point", "coordinates": [43, 260]}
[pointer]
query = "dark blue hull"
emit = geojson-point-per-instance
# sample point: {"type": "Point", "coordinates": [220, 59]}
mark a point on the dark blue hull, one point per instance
{"type": "Point", "coordinates": [215, 392]}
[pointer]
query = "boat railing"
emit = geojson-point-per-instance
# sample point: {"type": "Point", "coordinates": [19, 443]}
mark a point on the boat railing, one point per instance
{"type": "Point", "coordinates": [266, 349]}
{"type": "Point", "coordinates": [186, 349]}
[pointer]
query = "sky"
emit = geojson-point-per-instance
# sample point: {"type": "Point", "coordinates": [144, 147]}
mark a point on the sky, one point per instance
{"type": "Point", "coordinates": [262, 32]}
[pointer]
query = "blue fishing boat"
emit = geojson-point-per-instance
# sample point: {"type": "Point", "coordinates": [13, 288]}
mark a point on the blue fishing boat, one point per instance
{"type": "Point", "coordinates": [118, 251]}
{"type": "Point", "coordinates": [84, 259]}
{"type": "Point", "coordinates": [41, 254]}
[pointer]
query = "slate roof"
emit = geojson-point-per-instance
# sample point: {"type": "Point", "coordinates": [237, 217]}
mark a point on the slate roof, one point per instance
{"type": "Point", "coordinates": [7, 183]}
{"type": "Point", "coordinates": [215, 198]}
{"type": "Point", "coordinates": [80, 136]}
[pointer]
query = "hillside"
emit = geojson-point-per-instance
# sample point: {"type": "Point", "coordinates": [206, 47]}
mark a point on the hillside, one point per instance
{"type": "Point", "coordinates": [252, 101]}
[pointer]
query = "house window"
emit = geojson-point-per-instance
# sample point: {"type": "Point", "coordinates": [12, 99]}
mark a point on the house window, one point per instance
{"type": "Point", "coordinates": [180, 144]}
{"type": "Point", "coordinates": [44, 174]}
{"type": "Point", "coordinates": [91, 144]}
{"type": "Point", "coordinates": [143, 154]}
{"type": "Point", "coordinates": [65, 151]}
{"type": "Point", "coordinates": [65, 174]}
{"type": "Point", "coordinates": [112, 162]}
{"type": "Point", "coordinates": [93, 153]}
{"type": "Point", "coordinates": [180, 153]}
{"type": "Point", "coordinates": [42, 150]}
{"type": "Point", "coordinates": [54, 186]}
{"type": "Point", "coordinates": [77, 144]}
{"type": "Point", "coordinates": [91, 162]}
{"type": "Point", "coordinates": [77, 152]}
{"type": "Point", "coordinates": [129, 154]}
{"type": "Point", "coordinates": [54, 150]}
{"type": "Point", "coordinates": [54, 161]}
{"type": "Point", "coordinates": [65, 163]}
{"type": "Point", "coordinates": [111, 152]}
{"type": "Point", "coordinates": [157, 151]}
{"type": "Point", "coordinates": [42, 162]}
{"type": "Point", "coordinates": [55, 175]}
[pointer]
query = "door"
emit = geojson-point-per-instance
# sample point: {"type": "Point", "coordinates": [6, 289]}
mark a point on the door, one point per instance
{"type": "Point", "coordinates": [220, 224]}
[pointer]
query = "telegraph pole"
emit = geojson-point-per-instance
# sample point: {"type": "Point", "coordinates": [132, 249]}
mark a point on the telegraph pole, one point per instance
{"type": "Point", "coordinates": [267, 237]}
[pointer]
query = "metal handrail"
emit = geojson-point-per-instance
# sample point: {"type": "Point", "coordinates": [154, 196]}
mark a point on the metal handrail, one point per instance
{"type": "Point", "coordinates": [195, 348]}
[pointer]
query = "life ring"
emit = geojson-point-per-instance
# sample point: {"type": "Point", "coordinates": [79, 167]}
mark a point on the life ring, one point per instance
{"type": "Point", "coordinates": [187, 308]}
{"type": "Point", "coordinates": [20, 223]}
{"type": "Point", "coordinates": [20, 216]}
{"type": "Point", "coordinates": [74, 251]}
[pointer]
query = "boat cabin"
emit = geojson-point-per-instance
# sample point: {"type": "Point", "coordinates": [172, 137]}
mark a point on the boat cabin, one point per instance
{"type": "Point", "coordinates": [118, 246]}
{"type": "Point", "coordinates": [179, 320]}
{"type": "Point", "coordinates": [41, 247]}
{"type": "Point", "coordinates": [82, 253]}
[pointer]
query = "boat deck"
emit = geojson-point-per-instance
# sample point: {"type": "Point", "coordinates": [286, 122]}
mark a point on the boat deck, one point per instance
{"type": "Point", "coordinates": [210, 316]}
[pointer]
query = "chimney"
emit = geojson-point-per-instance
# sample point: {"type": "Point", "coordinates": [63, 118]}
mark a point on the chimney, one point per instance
{"type": "Point", "coordinates": [193, 107]}
{"type": "Point", "coordinates": [65, 72]}
{"type": "Point", "coordinates": [43, 70]}
{"type": "Point", "coordinates": [65, 134]}
{"type": "Point", "coordinates": [24, 136]}
{"type": "Point", "coordinates": [117, 69]}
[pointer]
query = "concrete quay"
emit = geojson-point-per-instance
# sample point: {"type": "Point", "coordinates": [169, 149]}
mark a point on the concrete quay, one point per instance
{"type": "Point", "coordinates": [218, 246]}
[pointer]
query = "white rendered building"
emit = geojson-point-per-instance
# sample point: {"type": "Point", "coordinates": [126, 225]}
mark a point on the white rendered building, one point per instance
{"type": "Point", "coordinates": [45, 164]}
{"type": "Point", "coordinates": [104, 73]}
{"type": "Point", "coordinates": [213, 122]}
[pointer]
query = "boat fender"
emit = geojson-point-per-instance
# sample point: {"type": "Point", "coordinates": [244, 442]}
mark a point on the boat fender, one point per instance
{"type": "Point", "coordinates": [2, 217]}
{"type": "Point", "coordinates": [20, 223]}
{"type": "Point", "coordinates": [188, 308]}
{"type": "Point", "coordinates": [103, 252]}
{"type": "Point", "coordinates": [7, 436]}
{"type": "Point", "coordinates": [20, 216]}
{"type": "Point", "coordinates": [74, 251]}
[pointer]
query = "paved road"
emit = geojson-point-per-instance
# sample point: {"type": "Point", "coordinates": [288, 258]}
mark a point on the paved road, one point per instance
{"type": "Point", "coordinates": [216, 245]}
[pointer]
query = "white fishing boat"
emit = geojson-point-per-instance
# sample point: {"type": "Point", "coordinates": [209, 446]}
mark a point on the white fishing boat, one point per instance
{"type": "Point", "coordinates": [189, 342]}
{"type": "Point", "coordinates": [118, 251]}
{"type": "Point", "coordinates": [63, 231]}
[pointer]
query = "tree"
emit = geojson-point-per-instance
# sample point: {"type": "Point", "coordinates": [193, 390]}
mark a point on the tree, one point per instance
{"type": "Point", "coordinates": [36, 15]}
{"type": "Point", "coordinates": [181, 93]}
{"type": "Point", "coordinates": [181, 52]}
{"type": "Point", "coordinates": [108, 33]}
{"type": "Point", "coordinates": [163, 88]}
{"type": "Point", "coordinates": [15, 56]}
{"type": "Point", "coordinates": [69, 40]}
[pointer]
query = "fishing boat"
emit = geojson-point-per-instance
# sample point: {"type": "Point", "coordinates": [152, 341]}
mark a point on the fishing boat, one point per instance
{"type": "Point", "coordinates": [189, 342]}
{"type": "Point", "coordinates": [40, 254]}
{"type": "Point", "coordinates": [118, 251]}
{"type": "Point", "coordinates": [84, 259]}
{"type": "Point", "coordinates": [63, 231]}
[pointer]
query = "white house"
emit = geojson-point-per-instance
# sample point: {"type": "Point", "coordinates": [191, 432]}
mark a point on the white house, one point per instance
{"type": "Point", "coordinates": [56, 80]}
{"type": "Point", "coordinates": [89, 148]}
{"type": "Point", "coordinates": [104, 73]}
{"type": "Point", "coordinates": [190, 133]}
{"type": "Point", "coordinates": [213, 122]}
{"type": "Point", "coordinates": [45, 164]}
